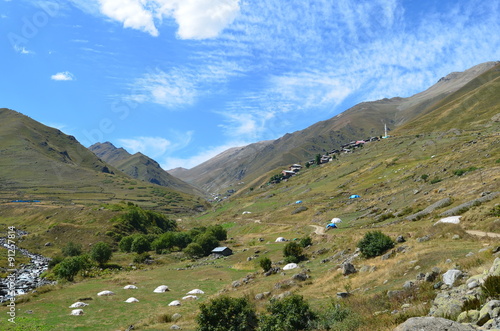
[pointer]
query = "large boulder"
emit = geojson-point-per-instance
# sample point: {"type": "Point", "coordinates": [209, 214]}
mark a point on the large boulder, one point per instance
{"type": "Point", "coordinates": [432, 323]}
{"type": "Point", "coordinates": [451, 276]}
{"type": "Point", "coordinates": [495, 268]}
{"type": "Point", "coordinates": [348, 268]}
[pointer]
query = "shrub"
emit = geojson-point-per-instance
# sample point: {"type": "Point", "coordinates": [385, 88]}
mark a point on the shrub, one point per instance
{"type": "Point", "coordinates": [306, 241]}
{"type": "Point", "coordinates": [70, 266]}
{"type": "Point", "coordinates": [140, 245]}
{"type": "Point", "coordinates": [101, 252]}
{"type": "Point", "coordinates": [338, 317]}
{"type": "Point", "coordinates": [436, 180]}
{"type": "Point", "coordinates": [265, 263]}
{"type": "Point", "coordinates": [207, 241]}
{"type": "Point", "coordinates": [374, 243]}
{"type": "Point", "coordinates": [125, 244]}
{"type": "Point", "coordinates": [218, 232]}
{"type": "Point", "coordinates": [72, 249]}
{"type": "Point", "coordinates": [491, 287]}
{"type": "Point", "coordinates": [424, 177]}
{"type": "Point", "coordinates": [227, 314]}
{"type": "Point", "coordinates": [141, 258]}
{"type": "Point", "coordinates": [289, 314]}
{"type": "Point", "coordinates": [194, 250]}
{"type": "Point", "coordinates": [293, 250]}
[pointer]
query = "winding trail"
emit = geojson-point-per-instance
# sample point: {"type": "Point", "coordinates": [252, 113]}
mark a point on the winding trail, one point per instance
{"type": "Point", "coordinates": [483, 234]}
{"type": "Point", "coordinates": [318, 229]}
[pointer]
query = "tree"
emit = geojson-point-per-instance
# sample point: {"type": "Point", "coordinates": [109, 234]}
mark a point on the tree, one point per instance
{"type": "Point", "coordinates": [293, 252]}
{"type": "Point", "coordinates": [70, 266]}
{"type": "Point", "coordinates": [72, 249]}
{"type": "Point", "coordinates": [140, 245]}
{"type": "Point", "coordinates": [218, 231]}
{"type": "Point", "coordinates": [227, 314]}
{"type": "Point", "coordinates": [125, 244]}
{"type": "Point", "coordinates": [318, 159]}
{"type": "Point", "coordinates": [289, 314]}
{"type": "Point", "coordinates": [101, 252]}
{"type": "Point", "coordinates": [194, 250]}
{"type": "Point", "coordinates": [265, 263]}
{"type": "Point", "coordinates": [374, 243]}
{"type": "Point", "coordinates": [306, 241]}
{"type": "Point", "coordinates": [207, 241]}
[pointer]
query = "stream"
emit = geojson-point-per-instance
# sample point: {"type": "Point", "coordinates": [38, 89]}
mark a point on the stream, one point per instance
{"type": "Point", "coordinates": [22, 277]}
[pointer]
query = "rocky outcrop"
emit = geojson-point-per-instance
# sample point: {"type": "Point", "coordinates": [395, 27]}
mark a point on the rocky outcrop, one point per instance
{"type": "Point", "coordinates": [432, 323]}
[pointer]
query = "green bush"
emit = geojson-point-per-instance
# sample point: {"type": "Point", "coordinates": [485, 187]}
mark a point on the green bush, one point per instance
{"type": "Point", "coordinates": [218, 232]}
{"type": "Point", "coordinates": [194, 250]}
{"type": "Point", "coordinates": [289, 314]}
{"type": "Point", "coordinates": [125, 244]}
{"type": "Point", "coordinates": [72, 249]}
{"type": "Point", "coordinates": [227, 314]}
{"type": "Point", "coordinates": [101, 252]}
{"type": "Point", "coordinates": [141, 258]}
{"type": "Point", "coordinates": [293, 251]}
{"type": "Point", "coordinates": [338, 317]}
{"type": "Point", "coordinates": [207, 241]}
{"type": "Point", "coordinates": [140, 245]}
{"type": "Point", "coordinates": [265, 263]}
{"type": "Point", "coordinates": [374, 243]}
{"type": "Point", "coordinates": [306, 241]}
{"type": "Point", "coordinates": [70, 266]}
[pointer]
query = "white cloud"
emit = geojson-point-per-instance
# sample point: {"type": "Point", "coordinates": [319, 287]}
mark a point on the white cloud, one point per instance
{"type": "Point", "coordinates": [181, 86]}
{"type": "Point", "coordinates": [22, 50]}
{"type": "Point", "coordinates": [206, 154]}
{"type": "Point", "coordinates": [201, 19]}
{"type": "Point", "coordinates": [131, 13]}
{"type": "Point", "coordinates": [150, 146]}
{"type": "Point", "coordinates": [63, 76]}
{"type": "Point", "coordinates": [197, 19]}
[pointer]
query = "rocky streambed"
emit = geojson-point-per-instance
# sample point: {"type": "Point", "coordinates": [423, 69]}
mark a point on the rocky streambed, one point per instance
{"type": "Point", "coordinates": [22, 278]}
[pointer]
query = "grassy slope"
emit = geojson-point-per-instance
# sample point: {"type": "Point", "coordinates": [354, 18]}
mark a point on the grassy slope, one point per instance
{"type": "Point", "coordinates": [388, 177]}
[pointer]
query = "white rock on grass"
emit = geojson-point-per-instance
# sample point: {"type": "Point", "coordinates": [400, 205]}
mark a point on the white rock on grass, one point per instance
{"type": "Point", "coordinates": [161, 289]}
{"type": "Point", "coordinates": [175, 303]}
{"type": "Point", "coordinates": [78, 305]}
{"type": "Point", "coordinates": [130, 287]}
{"type": "Point", "coordinates": [196, 291]}
{"type": "Point", "coordinates": [190, 297]}
{"type": "Point", "coordinates": [131, 299]}
{"type": "Point", "coordinates": [76, 312]}
{"type": "Point", "coordinates": [105, 293]}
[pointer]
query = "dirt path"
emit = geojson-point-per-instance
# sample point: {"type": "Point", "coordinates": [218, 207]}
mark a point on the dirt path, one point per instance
{"type": "Point", "coordinates": [483, 234]}
{"type": "Point", "coordinates": [318, 229]}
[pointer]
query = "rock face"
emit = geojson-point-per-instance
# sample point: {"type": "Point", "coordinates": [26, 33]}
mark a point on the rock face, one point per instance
{"type": "Point", "coordinates": [432, 323]}
{"type": "Point", "coordinates": [348, 268]}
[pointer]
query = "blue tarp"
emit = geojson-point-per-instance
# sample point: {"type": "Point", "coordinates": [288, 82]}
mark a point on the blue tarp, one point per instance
{"type": "Point", "coordinates": [298, 201]}
{"type": "Point", "coordinates": [331, 225]}
{"type": "Point", "coordinates": [354, 196]}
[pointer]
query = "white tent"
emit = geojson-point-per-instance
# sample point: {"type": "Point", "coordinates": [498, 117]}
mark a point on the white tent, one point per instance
{"type": "Point", "coordinates": [175, 303]}
{"type": "Point", "coordinates": [196, 291]}
{"type": "Point", "coordinates": [130, 287]}
{"type": "Point", "coordinates": [336, 220]}
{"type": "Point", "coordinates": [131, 299]}
{"type": "Point", "coordinates": [105, 293]}
{"type": "Point", "coordinates": [189, 297]}
{"type": "Point", "coordinates": [78, 305]}
{"type": "Point", "coordinates": [280, 239]}
{"type": "Point", "coordinates": [77, 312]}
{"type": "Point", "coordinates": [451, 219]}
{"type": "Point", "coordinates": [290, 266]}
{"type": "Point", "coordinates": [161, 289]}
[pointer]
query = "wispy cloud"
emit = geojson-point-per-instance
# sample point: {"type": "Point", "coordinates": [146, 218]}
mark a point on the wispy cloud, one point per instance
{"type": "Point", "coordinates": [63, 76]}
{"type": "Point", "coordinates": [181, 86]}
{"type": "Point", "coordinates": [23, 50]}
{"type": "Point", "coordinates": [157, 147]}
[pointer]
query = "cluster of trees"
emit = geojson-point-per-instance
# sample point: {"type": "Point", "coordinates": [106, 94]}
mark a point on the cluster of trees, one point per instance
{"type": "Point", "coordinates": [143, 221]}
{"type": "Point", "coordinates": [75, 261]}
{"type": "Point", "coordinates": [197, 242]}
{"type": "Point", "coordinates": [288, 314]}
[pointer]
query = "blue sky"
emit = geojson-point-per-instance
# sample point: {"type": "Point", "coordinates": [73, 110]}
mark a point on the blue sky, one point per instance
{"type": "Point", "coordinates": [183, 80]}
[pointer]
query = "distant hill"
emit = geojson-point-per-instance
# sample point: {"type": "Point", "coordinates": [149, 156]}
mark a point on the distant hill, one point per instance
{"type": "Point", "coordinates": [43, 163]}
{"type": "Point", "coordinates": [140, 166]}
{"type": "Point", "coordinates": [362, 121]}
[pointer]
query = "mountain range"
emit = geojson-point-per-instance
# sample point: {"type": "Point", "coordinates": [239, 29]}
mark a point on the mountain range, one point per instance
{"type": "Point", "coordinates": [362, 121]}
